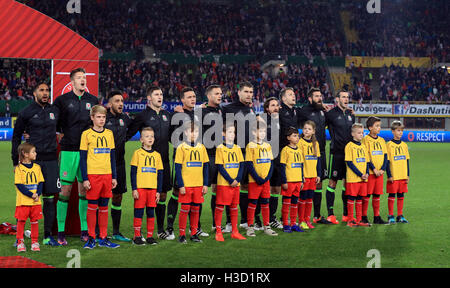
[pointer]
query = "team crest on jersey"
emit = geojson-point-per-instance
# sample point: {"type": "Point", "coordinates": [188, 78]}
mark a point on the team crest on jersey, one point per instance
{"type": "Point", "coordinates": [349, 118]}
{"type": "Point", "coordinates": [88, 106]}
{"type": "Point", "coordinates": [65, 173]}
{"type": "Point", "coordinates": [164, 117]}
{"type": "Point", "coordinates": [121, 122]}
{"type": "Point", "coordinates": [52, 116]}
{"type": "Point", "coordinates": [335, 173]}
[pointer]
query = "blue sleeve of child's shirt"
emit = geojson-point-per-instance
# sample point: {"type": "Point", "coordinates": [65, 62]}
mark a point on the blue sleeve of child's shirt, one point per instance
{"type": "Point", "coordinates": [178, 175]}
{"type": "Point", "coordinates": [303, 174]}
{"type": "Point", "coordinates": [353, 168]}
{"type": "Point", "coordinates": [224, 173]}
{"type": "Point", "coordinates": [160, 181]}
{"type": "Point", "coordinates": [370, 166]}
{"type": "Point", "coordinates": [407, 164]}
{"type": "Point", "coordinates": [253, 173]}
{"type": "Point", "coordinates": [319, 167]}
{"type": "Point", "coordinates": [113, 164]}
{"type": "Point", "coordinates": [388, 169]}
{"type": "Point", "coordinates": [205, 174]}
{"type": "Point", "coordinates": [383, 167]}
{"type": "Point", "coordinates": [83, 164]}
{"type": "Point", "coordinates": [283, 173]}
{"type": "Point", "coordinates": [269, 175]}
{"type": "Point", "coordinates": [24, 190]}
{"type": "Point", "coordinates": [240, 172]}
{"type": "Point", "coordinates": [40, 188]}
{"type": "Point", "coordinates": [133, 177]}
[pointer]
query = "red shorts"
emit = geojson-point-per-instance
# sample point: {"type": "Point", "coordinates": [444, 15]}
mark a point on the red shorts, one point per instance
{"type": "Point", "coordinates": [192, 195]}
{"type": "Point", "coordinates": [309, 184]}
{"type": "Point", "coordinates": [375, 185]}
{"type": "Point", "coordinates": [226, 195]}
{"type": "Point", "coordinates": [399, 186]}
{"type": "Point", "coordinates": [147, 198]}
{"type": "Point", "coordinates": [293, 189]}
{"type": "Point", "coordinates": [356, 189]}
{"type": "Point", "coordinates": [256, 191]}
{"type": "Point", "coordinates": [24, 212]}
{"type": "Point", "coordinates": [101, 187]}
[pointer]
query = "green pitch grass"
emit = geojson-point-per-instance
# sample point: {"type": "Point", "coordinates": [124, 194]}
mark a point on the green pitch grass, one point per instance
{"type": "Point", "coordinates": [421, 243]}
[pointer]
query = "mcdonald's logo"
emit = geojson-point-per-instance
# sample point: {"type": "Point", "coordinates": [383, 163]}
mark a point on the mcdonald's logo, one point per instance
{"type": "Point", "coordinates": [263, 153]}
{"type": "Point", "coordinates": [398, 150]}
{"type": "Point", "coordinates": [377, 146]}
{"type": "Point", "coordinates": [195, 154]}
{"type": "Point", "coordinates": [30, 177]}
{"type": "Point", "coordinates": [297, 157]}
{"type": "Point", "coordinates": [310, 150]}
{"type": "Point", "coordinates": [149, 160]}
{"type": "Point", "coordinates": [232, 157]}
{"type": "Point", "coordinates": [103, 142]}
{"type": "Point", "coordinates": [360, 153]}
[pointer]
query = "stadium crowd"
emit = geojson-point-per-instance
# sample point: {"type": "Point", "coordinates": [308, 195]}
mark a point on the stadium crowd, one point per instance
{"type": "Point", "coordinates": [411, 29]}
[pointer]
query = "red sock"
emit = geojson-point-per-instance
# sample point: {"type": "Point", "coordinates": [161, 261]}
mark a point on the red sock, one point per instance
{"type": "Point", "coordinates": [137, 224]}
{"type": "Point", "coordinates": [400, 206]}
{"type": "Point", "coordinates": [350, 204]}
{"type": "Point", "coordinates": [285, 211]}
{"type": "Point", "coordinates": [150, 226]}
{"type": "Point", "coordinates": [358, 210]}
{"type": "Point", "coordinates": [251, 213]}
{"type": "Point", "coordinates": [308, 208]}
{"type": "Point", "coordinates": [376, 206]}
{"type": "Point", "coordinates": [391, 201]}
{"type": "Point", "coordinates": [265, 214]}
{"type": "Point", "coordinates": [301, 210]}
{"type": "Point", "coordinates": [103, 221]}
{"type": "Point", "coordinates": [234, 218]}
{"type": "Point", "coordinates": [91, 218]}
{"type": "Point", "coordinates": [182, 221]}
{"type": "Point", "coordinates": [293, 213]}
{"type": "Point", "coordinates": [34, 231]}
{"type": "Point", "coordinates": [365, 205]}
{"type": "Point", "coordinates": [20, 229]}
{"type": "Point", "coordinates": [193, 221]}
{"type": "Point", "coordinates": [218, 216]}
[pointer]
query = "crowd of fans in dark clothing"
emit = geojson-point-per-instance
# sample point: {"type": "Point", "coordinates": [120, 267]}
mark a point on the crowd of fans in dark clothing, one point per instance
{"type": "Point", "coordinates": [264, 27]}
{"type": "Point", "coordinates": [405, 28]}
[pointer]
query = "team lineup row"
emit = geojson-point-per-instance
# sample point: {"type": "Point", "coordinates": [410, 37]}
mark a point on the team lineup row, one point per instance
{"type": "Point", "coordinates": [92, 145]}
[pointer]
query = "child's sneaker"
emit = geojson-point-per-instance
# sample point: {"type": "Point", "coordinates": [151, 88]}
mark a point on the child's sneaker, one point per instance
{"type": "Point", "coordinates": [258, 227]}
{"type": "Point", "coordinates": [378, 220]}
{"type": "Point", "coordinates": [269, 231]}
{"type": "Point", "coordinates": [182, 239]}
{"type": "Point", "coordinates": [139, 241]}
{"type": "Point", "coordinates": [106, 243]}
{"type": "Point", "coordinates": [332, 219]}
{"type": "Point", "coordinates": [90, 244]}
{"type": "Point", "coordinates": [391, 219]}
{"type": "Point", "coordinates": [296, 228]}
{"type": "Point", "coordinates": [287, 229]}
{"type": "Point", "coordinates": [352, 223]}
{"type": "Point", "coordinates": [251, 231]}
{"type": "Point", "coordinates": [304, 226]}
{"type": "Point", "coordinates": [401, 219]}
{"type": "Point", "coordinates": [170, 234]}
{"type": "Point", "coordinates": [243, 225]}
{"type": "Point", "coordinates": [219, 236]}
{"type": "Point", "coordinates": [237, 235]}
{"type": "Point", "coordinates": [21, 246]}
{"type": "Point", "coordinates": [35, 247]}
{"type": "Point", "coordinates": [151, 241]}
{"type": "Point", "coordinates": [194, 238]}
